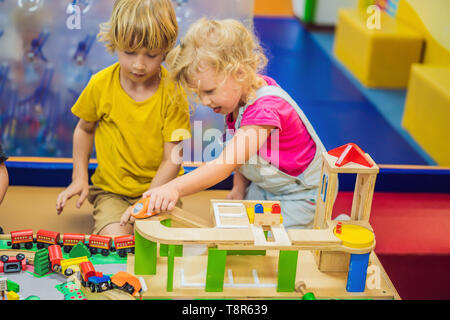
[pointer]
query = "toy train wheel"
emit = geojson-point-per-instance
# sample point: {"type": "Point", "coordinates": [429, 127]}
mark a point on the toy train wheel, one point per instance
{"type": "Point", "coordinates": [8, 243]}
{"type": "Point", "coordinates": [122, 253]}
{"type": "Point", "coordinates": [68, 272]}
{"type": "Point", "coordinates": [57, 268]}
{"type": "Point", "coordinates": [29, 245]}
{"type": "Point", "coordinates": [15, 246]}
{"type": "Point", "coordinates": [39, 245]}
{"type": "Point", "coordinates": [105, 252]}
{"type": "Point", "coordinates": [93, 250]}
{"type": "Point", "coordinates": [4, 258]}
{"type": "Point", "coordinates": [20, 256]}
{"type": "Point", "coordinates": [67, 249]}
{"type": "Point", "coordinates": [92, 287]}
{"type": "Point", "coordinates": [129, 288]}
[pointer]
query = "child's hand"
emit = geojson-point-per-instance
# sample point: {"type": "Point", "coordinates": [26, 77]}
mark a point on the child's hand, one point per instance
{"type": "Point", "coordinates": [126, 216]}
{"type": "Point", "coordinates": [77, 187]}
{"type": "Point", "coordinates": [236, 194]}
{"type": "Point", "coordinates": [162, 198]}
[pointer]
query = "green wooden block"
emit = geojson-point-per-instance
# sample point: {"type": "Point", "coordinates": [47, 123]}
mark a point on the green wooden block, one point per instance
{"type": "Point", "coordinates": [287, 271]}
{"type": "Point", "coordinates": [170, 267]}
{"type": "Point", "coordinates": [163, 248]}
{"type": "Point", "coordinates": [145, 254]}
{"type": "Point", "coordinates": [41, 262]}
{"type": "Point", "coordinates": [80, 250]}
{"type": "Point", "coordinates": [215, 270]}
{"type": "Point", "coordinates": [12, 286]}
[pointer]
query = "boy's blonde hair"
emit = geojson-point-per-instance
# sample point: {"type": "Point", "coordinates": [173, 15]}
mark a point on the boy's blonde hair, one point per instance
{"type": "Point", "coordinates": [224, 45]}
{"type": "Point", "coordinates": [136, 24]}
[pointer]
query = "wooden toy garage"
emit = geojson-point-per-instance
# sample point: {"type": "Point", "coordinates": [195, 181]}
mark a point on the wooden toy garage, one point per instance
{"type": "Point", "coordinates": [251, 255]}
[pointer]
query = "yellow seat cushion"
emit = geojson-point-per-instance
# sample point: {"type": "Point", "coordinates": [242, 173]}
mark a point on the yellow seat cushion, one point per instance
{"type": "Point", "coordinates": [376, 57]}
{"type": "Point", "coordinates": [427, 110]}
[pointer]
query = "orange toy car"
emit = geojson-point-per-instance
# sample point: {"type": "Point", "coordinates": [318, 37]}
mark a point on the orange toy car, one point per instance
{"type": "Point", "coordinates": [139, 209]}
{"type": "Point", "coordinates": [126, 282]}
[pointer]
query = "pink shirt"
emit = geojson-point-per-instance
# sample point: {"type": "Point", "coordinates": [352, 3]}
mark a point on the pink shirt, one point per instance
{"type": "Point", "coordinates": [296, 147]}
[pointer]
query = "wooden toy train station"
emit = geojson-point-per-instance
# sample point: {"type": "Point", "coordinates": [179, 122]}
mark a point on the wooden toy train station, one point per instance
{"type": "Point", "coordinates": [251, 254]}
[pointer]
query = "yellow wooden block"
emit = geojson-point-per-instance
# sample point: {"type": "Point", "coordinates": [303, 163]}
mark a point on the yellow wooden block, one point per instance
{"type": "Point", "coordinates": [427, 110]}
{"type": "Point", "coordinates": [251, 214]}
{"type": "Point", "coordinates": [11, 295]}
{"type": "Point", "coordinates": [376, 57]}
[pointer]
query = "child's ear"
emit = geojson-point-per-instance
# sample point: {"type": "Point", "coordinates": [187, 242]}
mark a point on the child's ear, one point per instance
{"type": "Point", "coordinates": [239, 74]}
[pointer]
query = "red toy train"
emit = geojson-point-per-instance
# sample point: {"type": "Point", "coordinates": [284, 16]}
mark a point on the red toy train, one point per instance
{"type": "Point", "coordinates": [95, 243]}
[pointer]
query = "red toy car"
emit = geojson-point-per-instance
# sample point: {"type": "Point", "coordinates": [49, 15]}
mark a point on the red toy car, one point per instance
{"type": "Point", "coordinates": [13, 264]}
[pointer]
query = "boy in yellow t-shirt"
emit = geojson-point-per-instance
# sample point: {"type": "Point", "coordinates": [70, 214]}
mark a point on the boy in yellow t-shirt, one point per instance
{"type": "Point", "coordinates": [137, 115]}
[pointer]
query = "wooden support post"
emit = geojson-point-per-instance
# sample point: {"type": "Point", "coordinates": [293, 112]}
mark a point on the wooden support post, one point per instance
{"type": "Point", "coordinates": [287, 271]}
{"type": "Point", "coordinates": [145, 255]}
{"type": "Point", "coordinates": [328, 187]}
{"type": "Point", "coordinates": [357, 272]}
{"type": "Point", "coordinates": [362, 196]}
{"type": "Point", "coordinates": [215, 271]}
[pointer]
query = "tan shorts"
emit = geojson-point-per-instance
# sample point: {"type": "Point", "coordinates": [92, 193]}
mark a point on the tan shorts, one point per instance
{"type": "Point", "coordinates": [108, 207]}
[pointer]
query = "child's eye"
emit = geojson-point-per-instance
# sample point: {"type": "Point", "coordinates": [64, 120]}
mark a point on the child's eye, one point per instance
{"type": "Point", "coordinates": [209, 91]}
{"type": "Point", "coordinates": [129, 52]}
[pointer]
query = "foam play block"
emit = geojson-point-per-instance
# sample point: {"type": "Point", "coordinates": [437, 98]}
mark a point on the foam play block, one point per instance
{"type": "Point", "coordinates": [377, 57]}
{"type": "Point", "coordinates": [427, 110]}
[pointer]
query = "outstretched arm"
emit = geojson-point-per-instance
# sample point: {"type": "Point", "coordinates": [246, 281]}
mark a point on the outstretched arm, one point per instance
{"type": "Point", "coordinates": [245, 143]}
{"type": "Point", "coordinates": [4, 181]}
{"type": "Point", "coordinates": [170, 165]}
{"type": "Point", "coordinates": [83, 140]}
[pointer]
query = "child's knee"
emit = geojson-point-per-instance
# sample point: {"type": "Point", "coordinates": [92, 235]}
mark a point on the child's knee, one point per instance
{"type": "Point", "coordinates": [114, 229]}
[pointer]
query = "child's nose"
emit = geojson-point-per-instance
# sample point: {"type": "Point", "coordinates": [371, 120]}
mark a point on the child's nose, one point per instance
{"type": "Point", "coordinates": [205, 100]}
{"type": "Point", "coordinates": [138, 64]}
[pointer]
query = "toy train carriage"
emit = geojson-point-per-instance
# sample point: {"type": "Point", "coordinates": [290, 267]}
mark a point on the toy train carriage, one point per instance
{"type": "Point", "coordinates": [102, 243]}
{"type": "Point", "coordinates": [70, 240]}
{"type": "Point", "coordinates": [21, 237]}
{"type": "Point", "coordinates": [55, 257]}
{"type": "Point", "coordinates": [95, 281]}
{"type": "Point", "coordinates": [45, 238]}
{"type": "Point", "coordinates": [124, 245]}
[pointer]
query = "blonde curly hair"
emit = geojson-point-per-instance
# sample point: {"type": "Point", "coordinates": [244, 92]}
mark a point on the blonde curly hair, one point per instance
{"type": "Point", "coordinates": [136, 24]}
{"type": "Point", "coordinates": [226, 46]}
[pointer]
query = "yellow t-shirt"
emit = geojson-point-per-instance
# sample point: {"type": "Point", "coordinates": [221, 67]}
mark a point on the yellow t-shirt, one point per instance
{"type": "Point", "coordinates": [130, 135]}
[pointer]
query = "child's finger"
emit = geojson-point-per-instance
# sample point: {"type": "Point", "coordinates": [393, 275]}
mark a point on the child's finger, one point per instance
{"type": "Point", "coordinates": [151, 204]}
{"type": "Point", "coordinates": [146, 194]}
{"type": "Point", "coordinates": [125, 217]}
{"type": "Point", "coordinates": [62, 203]}
{"type": "Point", "coordinates": [165, 205]}
{"type": "Point", "coordinates": [82, 197]}
{"type": "Point", "coordinates": [171, 205]}
{"type": "Point", "coordinates": [158, 202]}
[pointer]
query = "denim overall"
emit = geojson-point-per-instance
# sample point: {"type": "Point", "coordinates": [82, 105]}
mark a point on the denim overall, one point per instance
{"type": "Point", "coordinates": [297, 194]}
